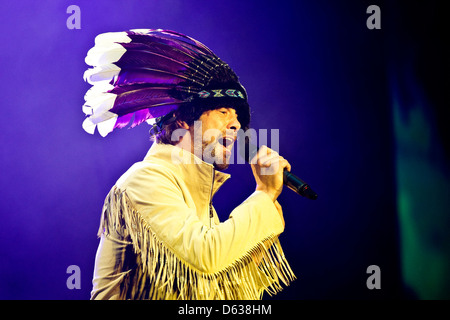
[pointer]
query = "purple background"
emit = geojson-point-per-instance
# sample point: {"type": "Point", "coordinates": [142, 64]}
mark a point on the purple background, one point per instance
{"type": "Point", "coordinates": [312, 69]}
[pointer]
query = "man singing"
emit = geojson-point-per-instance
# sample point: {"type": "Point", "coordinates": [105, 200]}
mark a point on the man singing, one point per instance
{"type": "Point", "coordinates": [160, 236]}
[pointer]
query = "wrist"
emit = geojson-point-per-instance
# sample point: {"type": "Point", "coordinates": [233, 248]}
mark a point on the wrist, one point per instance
{"type": "Point", "coordinates": [271, 193]}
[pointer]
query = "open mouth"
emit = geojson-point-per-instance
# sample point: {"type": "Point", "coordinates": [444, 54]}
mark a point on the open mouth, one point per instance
{"type": "Point", "coordinates": [227, 141]}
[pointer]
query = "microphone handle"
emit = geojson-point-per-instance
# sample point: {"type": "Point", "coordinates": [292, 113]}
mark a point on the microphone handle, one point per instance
{"type": "Point", "coordinates": [298, 185]}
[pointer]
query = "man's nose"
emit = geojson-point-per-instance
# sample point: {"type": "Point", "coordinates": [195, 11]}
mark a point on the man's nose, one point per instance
{"type": "Point", "coordinates": [234, 125]}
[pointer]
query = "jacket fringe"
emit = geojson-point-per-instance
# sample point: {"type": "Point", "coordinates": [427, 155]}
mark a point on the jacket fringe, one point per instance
{"type": "Point", "coordinates": [160, 274]}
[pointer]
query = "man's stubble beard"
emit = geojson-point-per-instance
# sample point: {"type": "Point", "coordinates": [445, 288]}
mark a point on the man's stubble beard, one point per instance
{"type": "Point", "coordinates": [209, 155]}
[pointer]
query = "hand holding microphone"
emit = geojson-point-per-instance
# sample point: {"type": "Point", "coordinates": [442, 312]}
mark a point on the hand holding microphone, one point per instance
{"type": "Point", "coordinates": [268, 167]}
{"type": "Point", "coordinates": [266, 162]}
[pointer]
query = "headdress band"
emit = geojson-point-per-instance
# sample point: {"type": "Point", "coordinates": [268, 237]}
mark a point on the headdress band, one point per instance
{"type": "Point", "coordinates": [220, 93]}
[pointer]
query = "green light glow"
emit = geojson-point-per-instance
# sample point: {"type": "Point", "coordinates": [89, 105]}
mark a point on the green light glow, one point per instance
{"type": "Point", "coordinates": [423, 206]}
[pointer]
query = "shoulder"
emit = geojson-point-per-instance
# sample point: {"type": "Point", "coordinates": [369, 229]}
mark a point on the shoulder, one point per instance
{"type": "Point", "coordinates": [145, 174]}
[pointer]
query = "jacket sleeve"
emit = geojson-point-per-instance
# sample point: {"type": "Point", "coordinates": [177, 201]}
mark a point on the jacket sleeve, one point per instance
{"type": "Point", "coordinates": [244, 246]}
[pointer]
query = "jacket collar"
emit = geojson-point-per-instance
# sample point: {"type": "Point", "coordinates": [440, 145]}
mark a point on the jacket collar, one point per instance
{"type": "Point", "coordinates": [198, 174]}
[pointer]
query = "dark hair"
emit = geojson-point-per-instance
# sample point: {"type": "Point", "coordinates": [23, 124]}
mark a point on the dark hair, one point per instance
{"type": "Point", "coordinates": [191, 111]}
{"type": "Point", "coordinates": [186, 112]}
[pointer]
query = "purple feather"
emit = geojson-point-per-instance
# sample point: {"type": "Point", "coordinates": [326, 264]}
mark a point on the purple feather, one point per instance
{"type": "Point", "coordinates": [192, 44]}
{"type": "Point", "coordinates": [177, 43]}
{"type": "Point", "coordinates": [162, 49]}
{"type": "Point", "coordinates": [148, 76]}
{"type": "Point", "coordinates": [172, 39]}
{"type": "Point", "coordinates": [123, 121]}
{"type": "Point", "coordinates": [134, 100]}
{"type": "Point", "coordinates": [143, 115]}
{"type": "Point", "coordinates": [153, 58]}
{"type": "Point", "coordinates": [150, 60]}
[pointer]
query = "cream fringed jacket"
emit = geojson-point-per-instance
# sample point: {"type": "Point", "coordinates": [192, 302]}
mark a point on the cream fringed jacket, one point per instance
{"type": "Point", "coordinates": [160, 237]}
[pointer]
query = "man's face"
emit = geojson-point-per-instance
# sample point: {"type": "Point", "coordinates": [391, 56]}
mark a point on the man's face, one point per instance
{"type": "Point", "coordinates": [219, 130]}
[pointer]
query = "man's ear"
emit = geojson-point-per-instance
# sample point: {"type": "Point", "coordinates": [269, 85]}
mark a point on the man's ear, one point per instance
{"type": "Point", "coordinates": [182, 124]}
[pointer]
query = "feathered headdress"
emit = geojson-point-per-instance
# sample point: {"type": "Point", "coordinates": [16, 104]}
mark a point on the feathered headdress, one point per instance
{"type": "Point", "coordinates": [140, 75]}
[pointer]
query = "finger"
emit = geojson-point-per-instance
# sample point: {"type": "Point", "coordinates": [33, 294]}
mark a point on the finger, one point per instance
{"type": "Point", "coordinates": [264, 153]}
{"type": "Point", "coordinates": [269, 158]}
{"type": "Point", "coordinates": [276, 165]}
{"type": "Point", "coordinates": [284, 164]}
{"type": "Point", "coordinates": [263, 150]}
{"type": "Point", "coordinates": [273, 165]}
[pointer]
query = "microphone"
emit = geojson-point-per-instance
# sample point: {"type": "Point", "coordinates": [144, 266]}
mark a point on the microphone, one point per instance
{"type": "Point", "coordinates": [298, 185]}
{"type": "Point", "coordinates": [289, 179]}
